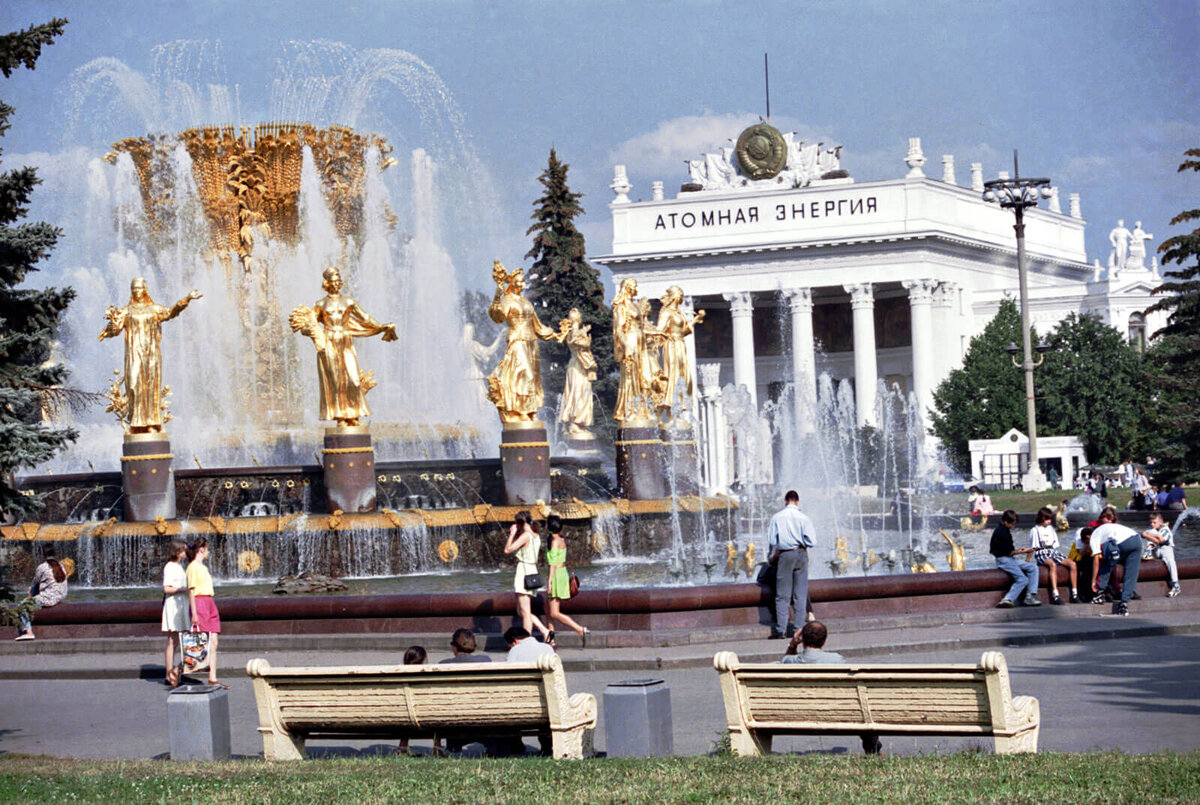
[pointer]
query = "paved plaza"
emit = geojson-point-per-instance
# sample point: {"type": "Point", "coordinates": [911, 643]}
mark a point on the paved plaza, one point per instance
{"type": "Point", "coordinates": [1104, 683]}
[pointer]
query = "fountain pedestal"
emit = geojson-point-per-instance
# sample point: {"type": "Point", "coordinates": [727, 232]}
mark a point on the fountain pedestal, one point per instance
{"type": "Point", "coordinates": [349, 462]}
{"type": "Point", "coordinates": [640, 461]}
{"type": "Point", "coordinates": [680, 460]}
{"type": "Point", "coordinates": [525, 463]}
{"type": "Point", "coordinates": [146, 477]}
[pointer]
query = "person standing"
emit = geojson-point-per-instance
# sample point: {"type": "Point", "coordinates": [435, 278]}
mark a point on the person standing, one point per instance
{"type": "Point", "coordinates": [1112, 544]}
{"type": "Point", "coordinates": [175, 612]}
{"type": "Point", "coordinates": [1023, 572]}
{"type": "Point", "coordinates": [789, 537]}
{"type": "Point", "coordinates": [49, 588]}
{"type": "Point", "coordinates": [523, 540]}
{"type": "Point", "coordinates": [205, 617]}
{"type": "Point", "coordinates": [559, 588]}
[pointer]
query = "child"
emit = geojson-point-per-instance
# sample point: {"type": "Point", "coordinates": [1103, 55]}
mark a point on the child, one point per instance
{"type": "Point", "coordinates": [1044, 541]}
{"type": "Point", "coordinates": [1159, 540]}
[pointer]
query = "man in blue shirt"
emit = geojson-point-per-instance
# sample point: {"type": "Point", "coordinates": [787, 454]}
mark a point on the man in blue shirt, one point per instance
{"type": "Point", "coordinates": [1176, 498]}
{"type": "Point", "coordinates": [788, 539]}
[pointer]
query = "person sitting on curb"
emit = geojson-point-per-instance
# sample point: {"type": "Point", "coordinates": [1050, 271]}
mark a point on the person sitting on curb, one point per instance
{"type": "Point", "coordinates": [1159, 540]}
{"type": "Point", "coordinates": [811, 640]}
{"type": "Point", "coordinates": [521, 648]}
{"type": "Point", "coordinates": [1024, 573]}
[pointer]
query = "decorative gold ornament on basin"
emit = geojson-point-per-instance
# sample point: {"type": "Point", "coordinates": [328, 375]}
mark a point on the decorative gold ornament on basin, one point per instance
{"type": "Point", "coordinates": [333, 323]}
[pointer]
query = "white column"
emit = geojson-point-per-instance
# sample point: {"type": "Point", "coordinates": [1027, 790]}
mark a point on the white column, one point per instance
{"type": "Point", "coordinates": [688, 309]}
{"type": "Point", "coordinates": [741, 308]}
{"type": "Point", "coordinates": [804, 361]}
{"type": "Point", "coordinates": [920, 303]}
{"type": "Point", "coordinates": [866, 372]}
{"type": "Point", "coordinates": [946, 327]}
{"type": "Point", "coordinates": [714, 431]}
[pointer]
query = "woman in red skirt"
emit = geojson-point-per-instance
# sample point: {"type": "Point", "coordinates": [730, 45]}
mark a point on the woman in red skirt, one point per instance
{"type": "Point", "coordinates": [205, 617]}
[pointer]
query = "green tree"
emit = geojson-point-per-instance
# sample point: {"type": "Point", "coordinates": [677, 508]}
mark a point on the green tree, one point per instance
{"type": "Point", "coordinates": [561, 279]}
{"type": "Point", "coordinates": [986, 397]}
{"type": "Point", "coordinates": [1177, 351]}
{"type": "Point", "coordinates": [1091, 385]}
{"type": "Point", "coordinates": [29, 380]}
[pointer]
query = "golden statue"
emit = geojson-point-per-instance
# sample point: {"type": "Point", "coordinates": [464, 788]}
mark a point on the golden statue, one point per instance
{"type": "Point", "coordinates": [631, 352]}
{"type": "Point", "coordinates": [575, 410]}
{"type": "Point", "coordinates": [515, 385]}
{"type": "Point", "coordinates": [142, 409]}
{"type": "Point", "coordinates": [673, 327]}
{"type": "Point", "coordinates": [333, 323]}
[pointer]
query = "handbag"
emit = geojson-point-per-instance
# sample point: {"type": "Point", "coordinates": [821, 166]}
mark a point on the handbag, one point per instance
{"type": "Point", "coordinates": [195, 650]}
{"type": "Point", "coordinates": [533, 581]}
{"type": "Point", "coordinates": [573, 585]}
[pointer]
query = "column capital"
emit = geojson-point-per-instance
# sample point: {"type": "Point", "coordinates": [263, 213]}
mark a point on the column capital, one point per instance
{"type": "Point", "coordinates": [800, 299]}
{"type": "Point", "coordinates": [862, 295]}
{"type": "Point", "coordinates": [945, 293]}
{"type": "Point", "coordinates": [710, 378]}
{"type": "Point", "coordinates": [920, 292]}
{"type": "Point", "coordinates": [740, 303]}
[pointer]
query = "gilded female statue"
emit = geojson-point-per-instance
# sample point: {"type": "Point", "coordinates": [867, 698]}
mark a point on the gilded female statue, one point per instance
{"type": "Point", "coordinates": [141, 321]}
{"type": "Point", "coordinates": [575, 410]}
{"type": "Point", "coordinates": [333, 323]}
{"type": "Point", "coordinates": [673, 328]}
{"type": "Point", "coordinates": [515, 386]}
{"type": "Point", "coordinates": [628, 348]}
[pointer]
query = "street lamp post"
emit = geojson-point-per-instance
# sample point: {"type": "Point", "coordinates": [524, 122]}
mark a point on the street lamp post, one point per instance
{"type": "Point", "coordinates": [1017, 194]}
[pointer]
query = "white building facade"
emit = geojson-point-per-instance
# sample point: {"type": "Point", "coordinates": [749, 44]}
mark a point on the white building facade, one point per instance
{"type": "Point", "coordinates": [861, 280]}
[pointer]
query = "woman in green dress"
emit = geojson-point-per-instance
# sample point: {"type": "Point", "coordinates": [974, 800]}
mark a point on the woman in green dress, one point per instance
{"type": "Point", "coordinates": [560, 579]}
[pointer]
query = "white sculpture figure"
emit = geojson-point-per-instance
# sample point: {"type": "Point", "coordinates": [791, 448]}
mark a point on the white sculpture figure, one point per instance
{"type": "Point", "coordinates": [1119, 238]}
{"type": "Point", "coordinates": [720, 170]}
{"type": "Point", "coordinates": [1137, 248]}
{"type": "Point", "coordinates": [801, 162]}
{"type": "Point", "coordinates": [478, 356]}
{"type": "Point", "coordinates": [697, 171]}
{"type": "Point", "coordinates": [829, 160]}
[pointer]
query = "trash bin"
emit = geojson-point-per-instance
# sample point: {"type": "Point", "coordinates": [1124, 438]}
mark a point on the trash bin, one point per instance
{"type": "Point", "coordinates": [198, 722]}
{"type": "Point", "coordinates": [637, 719]}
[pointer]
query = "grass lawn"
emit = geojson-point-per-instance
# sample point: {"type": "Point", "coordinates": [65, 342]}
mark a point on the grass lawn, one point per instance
{"type": "Point", "coordinates": [964, 777]}
{"type": "Point", "coordinates": [1002, 499]}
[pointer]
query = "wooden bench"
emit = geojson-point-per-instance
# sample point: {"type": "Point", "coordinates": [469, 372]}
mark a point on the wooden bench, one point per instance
{"type": "Point", "coordinates": [767, 699]}
{"type": "Point", "coordinates": [468, 701]}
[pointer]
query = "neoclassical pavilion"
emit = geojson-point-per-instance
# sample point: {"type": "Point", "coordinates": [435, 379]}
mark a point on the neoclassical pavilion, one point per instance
{"type": "Point", "coordinates": [809, 271]}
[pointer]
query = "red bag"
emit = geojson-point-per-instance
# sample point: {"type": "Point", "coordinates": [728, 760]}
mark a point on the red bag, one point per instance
{"type": "Point", "coordinates": [573, 585]}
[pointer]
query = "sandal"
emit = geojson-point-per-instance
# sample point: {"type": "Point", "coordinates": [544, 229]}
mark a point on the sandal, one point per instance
{"type": "Point", "coordinates": [583, 636]}
{"type": "Point", "coordinates": [220, 685]}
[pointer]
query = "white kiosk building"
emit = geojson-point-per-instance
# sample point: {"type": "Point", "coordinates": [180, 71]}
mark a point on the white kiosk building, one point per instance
{"type": "Point", "coordinates": [805, 271]}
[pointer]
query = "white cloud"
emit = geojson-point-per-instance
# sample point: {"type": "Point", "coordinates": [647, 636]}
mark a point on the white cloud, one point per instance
{"type": "Point", "coordinates": [1084, 167]}
{"type": "Point", "coordinates": [660, 154]}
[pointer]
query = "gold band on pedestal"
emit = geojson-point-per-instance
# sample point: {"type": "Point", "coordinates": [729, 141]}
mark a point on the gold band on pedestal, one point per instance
{"type": "Point", "coordinates": [631, 442]}
{"type": "Point", "coordinates": [158, 436]}
{"type": "Point", "coordinates": [367, 449]}
{"type": "Point", "coordinates": [523, 444]}
{"type": "Point", "coordinates": [347, 430]}
{"type": "Point", "coordinates": [149, 457]}
{"type": "Point", "coordinates": [532, 424]}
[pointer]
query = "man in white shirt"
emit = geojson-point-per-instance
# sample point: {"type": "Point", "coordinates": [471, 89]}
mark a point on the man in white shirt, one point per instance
{"type": "Point", "coordinates": [522, 647]}
{"type": "Point", "coordinates": [789, 537]}
{"type": "Point", "coordinates": [1112, 544]}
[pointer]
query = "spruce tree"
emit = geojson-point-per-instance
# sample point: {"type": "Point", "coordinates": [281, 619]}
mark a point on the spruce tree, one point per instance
{"type": "Point", "coordinates": [29, 381]}
{"type": "Point", "coordinates": [1178, 348]}
{"type": "Point", "coordinates": [561, 279]}
{"type": "Point", "coordinates": [986, 397]}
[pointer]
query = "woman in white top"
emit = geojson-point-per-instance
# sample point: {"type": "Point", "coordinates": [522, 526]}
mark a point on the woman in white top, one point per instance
{"type": "Point", "coordinates": [1044, 541]}
{"type": "Point", "coordinates": [523, 540]}
{"type": "Point", "coordinates": [176, 612]}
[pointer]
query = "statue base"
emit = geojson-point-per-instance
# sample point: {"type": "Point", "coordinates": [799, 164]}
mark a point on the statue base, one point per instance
{"type": "Point", "coordinates": [640, 461]}
{"type": "Point", "coordinates": [681, 463]}
{"type": "Point", "coordinates": [349, 463]}
{"type": "Point", "coordinates": [525, 463]}
{"type": "Point", "coordinates": [147, 478]}
{"type": "Point", "coordinates": [582, 445]}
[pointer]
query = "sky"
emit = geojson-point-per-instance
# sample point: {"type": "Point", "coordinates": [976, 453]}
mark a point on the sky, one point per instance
{"type": "Point", "coordinates": [1101, 97]}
